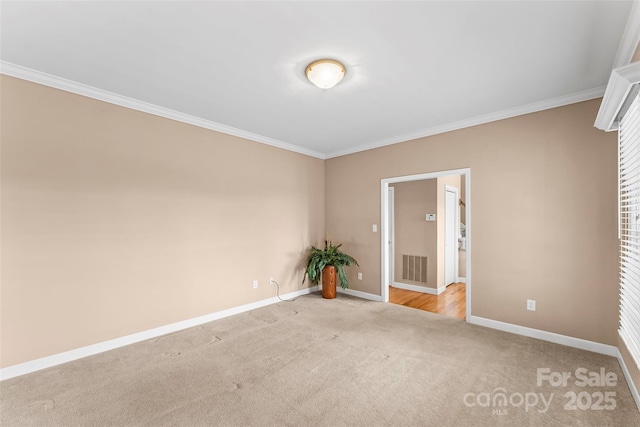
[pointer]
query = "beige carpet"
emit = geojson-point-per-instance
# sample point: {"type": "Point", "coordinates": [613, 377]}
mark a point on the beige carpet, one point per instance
{"type": "Point", "coordinates": [315, 362]}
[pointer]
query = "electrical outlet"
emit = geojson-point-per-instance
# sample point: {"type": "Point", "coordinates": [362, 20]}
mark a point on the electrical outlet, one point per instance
{"type": "Point", "coordinates": [271, 279]}
{"type": "Point", "coordinates": [255, 284]}
{"type": "Point", "coordinates": [359, 275]}
{"type": "Point", "coordinates": [531, 305]}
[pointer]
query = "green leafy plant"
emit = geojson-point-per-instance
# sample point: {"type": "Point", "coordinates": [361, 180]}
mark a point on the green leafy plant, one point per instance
{"type": "Point", "coordinates": [330, 255]}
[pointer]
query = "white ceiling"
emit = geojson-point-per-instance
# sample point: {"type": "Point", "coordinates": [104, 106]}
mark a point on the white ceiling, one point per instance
{"type": "Point", "coordinates": [413, 68]}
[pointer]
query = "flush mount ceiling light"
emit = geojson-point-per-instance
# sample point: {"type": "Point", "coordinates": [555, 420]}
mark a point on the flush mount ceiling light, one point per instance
{"type": "Point", "coordinates": [325, 73]}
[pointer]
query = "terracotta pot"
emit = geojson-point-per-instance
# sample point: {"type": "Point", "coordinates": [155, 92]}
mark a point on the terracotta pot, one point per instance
{"type": "Point", "coordinates": [329, 282]}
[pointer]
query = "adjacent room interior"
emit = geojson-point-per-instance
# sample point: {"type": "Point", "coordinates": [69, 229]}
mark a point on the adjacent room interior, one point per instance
{"type": "Point", "coordinates": [165, 165]}
{"type": "Point", "coordinates": [427, 244]}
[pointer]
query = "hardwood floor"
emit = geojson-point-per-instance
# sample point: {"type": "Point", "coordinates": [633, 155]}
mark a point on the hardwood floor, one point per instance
{"type": "Point", "coordinates": [452, 302]}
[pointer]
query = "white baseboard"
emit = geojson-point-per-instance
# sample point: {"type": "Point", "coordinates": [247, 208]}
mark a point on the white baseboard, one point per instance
{"type": "Point", "coordinates": [595, 347]}
{"type": "Point", "coordinates": [627, 376]}
{"type": "Point", "coordinates": [417, 288]}
{"type": "Point", "coordinates": [360, 294]}
{"type": "Point", "coordinates": [78, 353]}
{"type": "Point", "coordinates": [71, 355]}
{"type": "Point", "coordinates": [461, 280]}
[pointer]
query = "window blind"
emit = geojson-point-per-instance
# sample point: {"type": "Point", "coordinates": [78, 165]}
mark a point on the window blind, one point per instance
{"type": "Point", "coordinates": [629, 227]}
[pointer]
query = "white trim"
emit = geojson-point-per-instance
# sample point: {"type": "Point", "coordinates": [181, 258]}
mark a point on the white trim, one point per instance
{"type": "Point", "coordinates": [39, 77]}
{"type": "Point", "coordinates": [426, 175]}
{"type": "Point", "coordinates": [78, 353]}
{"type": "Point", "coordinates": [461, 279]}
{"type": "Point", "coordinates": [384, 238]}
{"type": "Point", "coordinates": [467, 202]}
{"type": "Point", "coordinates": [620, 84]}
{"type": "Point", "coordinates": [627, 376]}
{"type": "Point", "coordinates": [595, 347]}
{"type": "Point", "coordinates": [359, 294]}
{"type": "Point", "coordinates": [56, 82]}
{"type": "Point", "coordinates": [392, 232]}
{"type": "Point", "coordinates": [630, 38]}
{"type": "Point", "coordinates": [416, 288]}
{"type": "Point", "coordinates": [561, 101]}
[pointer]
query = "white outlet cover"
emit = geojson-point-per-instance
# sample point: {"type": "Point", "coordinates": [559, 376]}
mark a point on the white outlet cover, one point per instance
{"type": "Point", "coordinates": [359, 276]}
{"type": "Point", "coordinates": [531, 305]}
{"type": "Point", "coordinates": [374, 227]}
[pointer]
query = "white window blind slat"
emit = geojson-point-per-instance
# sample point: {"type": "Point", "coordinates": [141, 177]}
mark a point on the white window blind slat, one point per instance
{"type": "Point", "coordinates": [631, 296]}
{"type": "Point", "coordinates": [631, 167]}
{"type": "Point", "coordinates": [629, 174]}
{"type": "Point", "coordinates": [630, 276]}
{"type": "Point", "coordinates": [628, 252]}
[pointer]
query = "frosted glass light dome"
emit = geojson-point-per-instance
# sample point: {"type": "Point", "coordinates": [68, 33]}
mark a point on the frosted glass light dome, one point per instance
{"type": "Point", "coordinates": [325, 73]}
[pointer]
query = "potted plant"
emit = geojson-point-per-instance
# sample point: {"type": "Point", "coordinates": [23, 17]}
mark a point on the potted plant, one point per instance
{"type": "Point", "coordinates": [326, 262]}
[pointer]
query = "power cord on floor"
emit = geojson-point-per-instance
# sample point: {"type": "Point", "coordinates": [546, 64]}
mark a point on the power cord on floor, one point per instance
{"type": "Point", "coordinates": [278, 292]}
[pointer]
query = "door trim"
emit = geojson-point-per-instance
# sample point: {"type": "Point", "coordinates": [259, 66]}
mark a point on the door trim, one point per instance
{"type": "Point", "coordinates": [392, 249]}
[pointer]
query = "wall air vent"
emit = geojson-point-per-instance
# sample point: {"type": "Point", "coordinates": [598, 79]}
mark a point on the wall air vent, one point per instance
{"type": "Point", "coordinates": [414, 268]}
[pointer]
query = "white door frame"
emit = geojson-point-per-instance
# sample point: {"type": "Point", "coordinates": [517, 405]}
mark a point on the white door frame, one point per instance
{"type": "Point", "coordinates": [456, 197]}
{"type": "Point", "coordinates": [391, 236]}
{"type": "Point", "coordinates": [384, 226]}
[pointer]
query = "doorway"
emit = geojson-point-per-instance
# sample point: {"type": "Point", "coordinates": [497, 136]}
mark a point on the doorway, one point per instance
{"type": "Point", "coordinates": [451, 303]}
{"type": "Point", "coordinates": [450, 198]}
{"type": "Point", "coordinates": [392, 238]}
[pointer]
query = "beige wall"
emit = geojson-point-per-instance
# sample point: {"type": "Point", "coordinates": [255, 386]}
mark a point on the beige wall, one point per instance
{"type": "Point", "coordinates": [636, 55]}
{"type": "Point", "coordinates": [115, 221]}
{"type": "Point", "coordinates": [413, 234]}
{"type": "Point", "coordinates": [462, 264]}
{"type": "Point", "coordinates": [543, 215]}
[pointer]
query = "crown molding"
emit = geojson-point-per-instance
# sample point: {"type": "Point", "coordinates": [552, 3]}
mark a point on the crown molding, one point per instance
{"type": "Point", "coordinates": [630, 38]}
{"type": "Point", "coordinates": [620, 84]}
{"type": "Point", "coordinates": [561, 101]}
{"type": "Point", "coordinates": [56, 82]}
